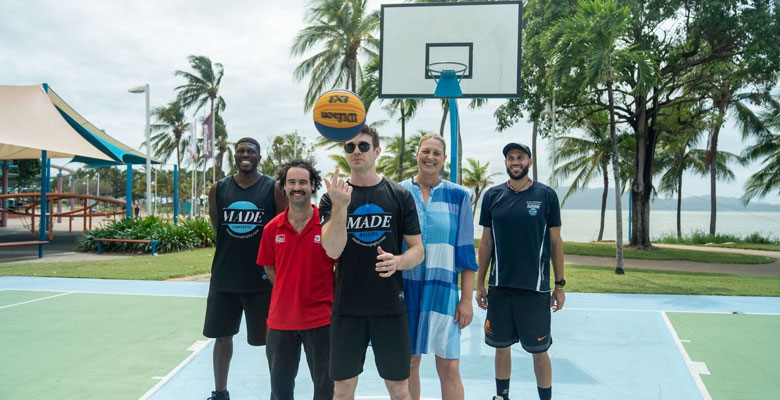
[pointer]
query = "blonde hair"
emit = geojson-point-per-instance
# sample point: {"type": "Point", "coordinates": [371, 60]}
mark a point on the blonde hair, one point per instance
{"type": "Point", "coordinates": [434, 136]}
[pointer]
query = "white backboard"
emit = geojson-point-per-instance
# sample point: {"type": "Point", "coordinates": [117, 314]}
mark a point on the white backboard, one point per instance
{"type": "Point", "coordinates": [486, 37]}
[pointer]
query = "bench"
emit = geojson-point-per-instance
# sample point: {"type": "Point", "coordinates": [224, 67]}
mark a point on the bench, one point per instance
{"type": "Point", "coordinates": [154, 243]}
{"type": "Point", "coordinates": [26, 243]}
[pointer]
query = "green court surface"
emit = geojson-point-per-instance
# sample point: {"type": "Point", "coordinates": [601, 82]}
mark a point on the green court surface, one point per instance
{"type": "Point", "coordinates": [741, 352]}
{"type": "Point", "coordinates": [97, 346]}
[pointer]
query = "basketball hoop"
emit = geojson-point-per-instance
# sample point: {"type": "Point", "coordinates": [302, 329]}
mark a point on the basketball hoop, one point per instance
{"type": "Point", "coordinates": [447, 80]}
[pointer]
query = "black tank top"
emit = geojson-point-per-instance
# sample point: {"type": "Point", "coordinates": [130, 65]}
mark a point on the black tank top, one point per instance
{"type": "Point", "coordinates": [242, 215]}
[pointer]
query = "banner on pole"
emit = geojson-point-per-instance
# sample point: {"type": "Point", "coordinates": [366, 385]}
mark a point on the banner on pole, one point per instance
{"type": "Point", "coordinates": [192, 151]}
{"type": "Point", "coordinates": [208, 136]}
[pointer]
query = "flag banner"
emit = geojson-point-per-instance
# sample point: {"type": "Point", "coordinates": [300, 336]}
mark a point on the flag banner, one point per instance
{"type": "Point", "coordinates": [192, 151]}
{"type": "Point", "coordinates": [208, 136]}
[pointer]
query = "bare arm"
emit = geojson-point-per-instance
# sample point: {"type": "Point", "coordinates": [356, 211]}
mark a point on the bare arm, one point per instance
{"type": "Point", "coordinates": [271, 272]}
{"type": "Point", "coordinates": [280, 200]}
{"type": "Point", "coordinates": [464, 312]}
{"type": "Point", "coordinates": [334, 232]}
{"type": "Point", "coordinates": [213, 212]}
{"type": "Point", "coordinates": [483, 260]}
{"type": "Point", "coordinates": [412, 257]}
{"type": "Point", "coordinates": [556, 256]}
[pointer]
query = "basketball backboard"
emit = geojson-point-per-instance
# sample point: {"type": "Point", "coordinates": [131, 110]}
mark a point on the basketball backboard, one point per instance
{"type": "Point", "coordinates": [486, 37]}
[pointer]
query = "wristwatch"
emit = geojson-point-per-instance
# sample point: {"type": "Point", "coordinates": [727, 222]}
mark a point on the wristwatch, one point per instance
{"type": "Point", "coordinates": [561, 283]}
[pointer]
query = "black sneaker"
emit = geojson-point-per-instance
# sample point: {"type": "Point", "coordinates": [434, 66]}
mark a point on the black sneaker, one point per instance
{"type": "Point", "coordinates": [219, 395]}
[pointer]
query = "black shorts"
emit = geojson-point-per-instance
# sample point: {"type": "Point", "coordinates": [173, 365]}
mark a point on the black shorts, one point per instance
{"type": "Point", "coordinates": [518, 315]}
{"type": "Point", "coordinates": [389, 337]}
{"type": "Point", "coordinates": [223, 315]}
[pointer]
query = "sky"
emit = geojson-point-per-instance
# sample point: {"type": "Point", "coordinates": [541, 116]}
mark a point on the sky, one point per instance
{"type": "Point", "coordinates": [91, 52]}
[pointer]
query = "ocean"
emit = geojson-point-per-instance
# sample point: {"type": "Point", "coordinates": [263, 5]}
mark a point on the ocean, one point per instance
{"type": "Point", "coordinates": [583, 225]}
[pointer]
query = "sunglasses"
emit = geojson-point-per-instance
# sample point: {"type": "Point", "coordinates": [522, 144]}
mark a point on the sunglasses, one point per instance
{"type": "Point", "coordinates": [363, 146]}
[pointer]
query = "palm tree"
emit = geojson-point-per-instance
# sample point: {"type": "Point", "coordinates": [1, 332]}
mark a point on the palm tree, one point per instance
{"type": "Point", "coordinates": [388, 164]}
{"type": "Point", "coordinates": [477, 178]}
{"type": "Point", "coordinates": [586, 157]}
{"type": "Point", "coordinates": [406, 108]}
{"type": "Point", "coordinates": [766, 149]}
{"type": "Point", "coordinates": [202, 87]}
{"type": "Point", "coordinates": [591, 42]}
{"type": "Point", "coordinates": [168, 130]}
{"type": "Point", "coordinates": [343, 29]}
{"type": "Point", "coordinates": [223, 146]}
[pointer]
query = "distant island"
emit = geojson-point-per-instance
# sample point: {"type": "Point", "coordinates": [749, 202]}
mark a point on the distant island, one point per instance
{"type": "Point", "coordinates": [590, 199]}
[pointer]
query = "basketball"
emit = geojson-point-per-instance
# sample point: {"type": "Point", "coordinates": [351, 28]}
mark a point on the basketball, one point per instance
{"type": "Point", "coordinates": [339, 114]}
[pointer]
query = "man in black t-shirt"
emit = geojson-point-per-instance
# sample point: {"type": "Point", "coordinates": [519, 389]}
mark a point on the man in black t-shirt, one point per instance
{"type": "Point", "coordinates": [521, 234]}
{"type": "Point", "coordinates": [364, 224]}
{"type": "Point", "coordinates": [239, 207]}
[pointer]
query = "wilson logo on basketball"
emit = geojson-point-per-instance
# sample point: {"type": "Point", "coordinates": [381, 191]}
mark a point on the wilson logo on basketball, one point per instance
{"type": "Point", "coordinates": [338, 99]}
{"type": "Point", "coordinates": [339, 116]}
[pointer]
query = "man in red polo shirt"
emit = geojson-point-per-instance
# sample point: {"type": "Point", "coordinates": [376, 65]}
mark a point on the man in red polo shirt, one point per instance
{"type": "Point", "coordinates": [302, 277]}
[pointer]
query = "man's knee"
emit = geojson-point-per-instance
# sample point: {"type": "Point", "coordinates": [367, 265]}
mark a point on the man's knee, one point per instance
{"type": "Point", "coordinates": [448, 369]}
{"type": "Point", "coordinates": [543, 356]}
{"type": "Point", "coordinates": [398, 390]}
{"type": "Point", "coordinates": [344, 389]}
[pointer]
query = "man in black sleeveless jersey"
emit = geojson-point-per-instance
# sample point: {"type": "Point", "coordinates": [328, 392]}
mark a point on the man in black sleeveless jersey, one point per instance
{"type": "Point", "coordinates": [521, 235]}
{"type": "Point", "coordinates": [364, 224]}
{"type": "Point", "coordinates": [239, 206]}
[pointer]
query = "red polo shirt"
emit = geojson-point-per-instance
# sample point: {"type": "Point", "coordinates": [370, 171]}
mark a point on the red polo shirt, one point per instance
{"type": "Point", "coordinates": [302, 296]}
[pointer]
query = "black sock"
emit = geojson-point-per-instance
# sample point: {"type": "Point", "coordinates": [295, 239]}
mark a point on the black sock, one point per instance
{"type": "Point", "coordinates": [545, 393]}
{"type": "Point", "coordinates": [502, 388]}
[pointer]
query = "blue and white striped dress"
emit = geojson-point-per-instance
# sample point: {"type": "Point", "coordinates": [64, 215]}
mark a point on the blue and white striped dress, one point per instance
{"type": "Point", "coordinates": [431, 288]}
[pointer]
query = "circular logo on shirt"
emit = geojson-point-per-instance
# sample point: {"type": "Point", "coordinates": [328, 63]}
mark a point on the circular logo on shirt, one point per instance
{"type": "Point", "coordinates": [369, 223]}
{"type": "Point", "coordinates": [242, 218]}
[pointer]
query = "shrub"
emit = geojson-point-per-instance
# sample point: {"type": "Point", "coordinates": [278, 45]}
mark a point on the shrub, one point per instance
{"type": "Point", "coordinates": [700, 237]}
{"type": "Point", "coordinates": [187, 235]}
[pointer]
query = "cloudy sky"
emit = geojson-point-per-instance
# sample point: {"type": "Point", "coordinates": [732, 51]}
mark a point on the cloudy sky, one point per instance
{"type": "Point", "coordinates": [91, 52]}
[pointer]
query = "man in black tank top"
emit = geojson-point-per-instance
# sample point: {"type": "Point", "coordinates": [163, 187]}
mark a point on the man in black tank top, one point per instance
{"type": "Point", "coordinates": [240, 206]}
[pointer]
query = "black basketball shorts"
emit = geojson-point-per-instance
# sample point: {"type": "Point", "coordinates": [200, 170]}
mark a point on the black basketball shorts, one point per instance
{"type": "Point", "coordinates": [223, 315]}
{"type": "Point", "coordinates": [389, 337]}
{"type": "Point", "coordinates": [517, 315]}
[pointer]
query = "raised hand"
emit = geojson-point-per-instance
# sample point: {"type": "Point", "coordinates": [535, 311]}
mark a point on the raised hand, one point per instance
{"type": "Point", "coordinates": [339, 190]}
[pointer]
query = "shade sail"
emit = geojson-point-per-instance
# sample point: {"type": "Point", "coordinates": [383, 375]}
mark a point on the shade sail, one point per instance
{"type": "Point", "coordinates": [29, 123]}
{"type": "Point", "coordinates": [97, 137]}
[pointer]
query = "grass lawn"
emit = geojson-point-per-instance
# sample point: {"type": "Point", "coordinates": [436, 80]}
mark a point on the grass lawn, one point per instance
{"type": "Point", "coordinates": [608, 250]}
{"type": "Point", "coordinates": [746, 246]}
{"type": "Point", "coordinates": [164, 266]}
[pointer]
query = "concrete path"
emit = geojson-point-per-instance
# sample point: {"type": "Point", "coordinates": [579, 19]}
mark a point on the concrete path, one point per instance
{"type": "Point", "coordinates": [769, 270]}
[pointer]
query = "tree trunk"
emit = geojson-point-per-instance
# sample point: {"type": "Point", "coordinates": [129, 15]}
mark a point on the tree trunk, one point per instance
{"type": "Point", "coordinates": [616, 171]}
{"type": "Point", "coordinates": [444, 117]}
{"type": "Point", "coordinates": [534, 132]}
{"type": "Point", "coordinates": [213, 140]}
{"type": "Point", "coordinates": [477, 193]}
{"type": "Point", "coordinates": [605, 172]}
{"type": "Point", "coordinates": [712, 159]}
{"type": "Point", "coordinates": [401, 150]}
{"type": "Point", "coordinates": [642, 185]}
{"type": "Point", "coordinates": [679, 207]}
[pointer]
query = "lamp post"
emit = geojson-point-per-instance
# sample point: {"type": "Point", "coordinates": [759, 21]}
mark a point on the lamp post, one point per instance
{"type": "Point", "coordinates": [145, 89]}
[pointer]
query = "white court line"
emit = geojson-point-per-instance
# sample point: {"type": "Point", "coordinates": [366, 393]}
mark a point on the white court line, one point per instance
{"type": "Point", "coordinates": [116, 293]}
{"type": "Point", "coordinates": [674, 311]}
{"type": "Point", "coordinates": [387, 397]}
{"type": "Point", "coordinates": [195, 349]}
{"type": "Point", "coordinates": [695, 368]}
{"type": "Point", "coordinates": [33, 301]}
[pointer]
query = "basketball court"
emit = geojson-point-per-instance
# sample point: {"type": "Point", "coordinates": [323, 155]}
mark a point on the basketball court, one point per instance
{"type": "Point", "coordinates": [87, 338]}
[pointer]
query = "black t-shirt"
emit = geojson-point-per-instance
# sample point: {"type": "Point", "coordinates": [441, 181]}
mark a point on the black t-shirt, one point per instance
{"type": "Point", "coordinates": [242, 215]}
{"type": "Point", "coordinates": [521, 223]}
{"type": "Point", "coordinates": [378, 215]}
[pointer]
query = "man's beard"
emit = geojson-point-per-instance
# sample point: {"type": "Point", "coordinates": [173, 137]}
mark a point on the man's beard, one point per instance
{"type": "Point", "coordinates": [519, 176]}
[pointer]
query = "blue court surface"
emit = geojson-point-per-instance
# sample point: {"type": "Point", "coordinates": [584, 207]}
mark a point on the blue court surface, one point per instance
{"type": "Point", "coordinates": [606, 346]}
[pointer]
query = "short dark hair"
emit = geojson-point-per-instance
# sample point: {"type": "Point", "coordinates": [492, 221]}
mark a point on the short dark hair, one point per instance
{"type": "Point", "coordinates": [249, 140]}
{"type": "Point", "coordinates": [314, 175]}
{"type": "Point", "coordinates": [370, 131]}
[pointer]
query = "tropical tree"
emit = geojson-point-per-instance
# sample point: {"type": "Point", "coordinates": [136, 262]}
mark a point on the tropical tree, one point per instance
{"type": "Point", "coordinates": [168, 130]}
{"type": "Point", "coordinates": [591, 42]}
{"type": "Point", "coordinates": [388, 163]}
{"type": "Point", "coordinates": [406, 108]}
{"type": "Point", "coordinates": [222, 145]}
{"type": "Point", "coordinates": [202, 87]}
{"type": "Point", "coordinates": [284, 148]}
{"type": "Point", "coordinates": [477, 178]}
{"type": "Point", "coordinates": [586, 158]}
{"type": "Point", "coordinates": [767, 150]}
{"type": "Point", "coordinates": [343, 29]}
